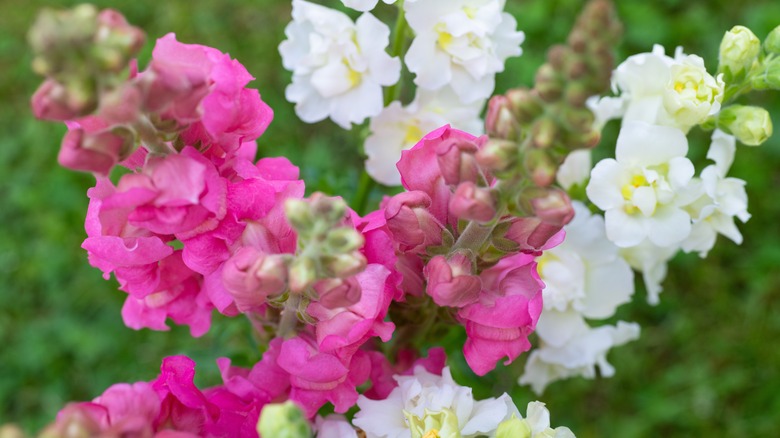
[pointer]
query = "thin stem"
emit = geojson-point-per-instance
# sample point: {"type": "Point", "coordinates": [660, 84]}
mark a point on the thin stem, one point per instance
{"type": "Point", "coordinates": [365, 186]}
{"type": "Point", "coordinates": [289, 319]}
{"type": "Point", "coordinates": [399, 41]}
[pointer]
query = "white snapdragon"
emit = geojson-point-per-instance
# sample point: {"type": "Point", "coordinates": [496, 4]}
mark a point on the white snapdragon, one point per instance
{"type": "Point", "coordinates": [461, 43]}
{"type": "Point", "coordinates": [398, 128]}
{"type": "Point", "coordinates": [721, 199]}
{"type": "Point", "coordinates": [575, 169]}
{"type": "Point", "coordinates": [585, 272]}
{"type": "Point", "coordinates": [334, 426]}
{"type": "Point", "coordinates": [424, 401]}
{"type": "Point", "coordinates": [536, 424]}
{"type": "Point", "coordinates": [339, 67]}
{"type": "Point", "coordinates": [578, 354]}
{"type": "Point", "coordinates": [643, 189]}
{"type": "Point", "coordinates": [367, 5]}
{"type": "Point", "coordinates": [650, 260]}
{"type": "Point", "coordinates": [658, 89]}
{"type": "Point", "coordinates": [585, 277]}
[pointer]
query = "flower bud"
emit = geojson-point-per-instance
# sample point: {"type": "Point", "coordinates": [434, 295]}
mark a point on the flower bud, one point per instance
{"type": "Point", "coordinates": [525, 104]}
{"type": "Point", "coordinates": [51, 101]}
{"type": "Point", "coordinates": [547, 83]}
{"type": "Point", "coordinates": [173, 91]}
{"type": "Point", "coordinates": [251, 276]}
{"type": "Point", "coordinates": [497, 154]}
{"type": "Point", "coordinates": [451, 281]}
{"type": "Point", "coordinates": [76, 420]}
{"type": "Point", "coordinates": [283, 420]}
{"type": "Point", "coordinates": [751, 125]}
{"type": "Point", "coordinates": [298, 214]}
{"type": "Point", "coordinates": [343, 265]}
{"type": "Point", "coordinates": [472, 203]}
{"type": "Point", "coordinates": [94, 152]}
{"type": "Point", "coordinates": [302, 273]}
{"type": "Point", "coordinates": [456, 160]}
{"type": "Point", "coordinates": [116, 41]}
{"type": "Point", "coordinates": [738, 49]}
{"type": "Point", "coordinates": [533, 234]}
{"type": "Point", "coordinates": [329, 209]}
{"type": "Point", "coordinates": [772, 41]}
{"type": "Point", "coordinates": [544, 133]}
{"type": "Point", "coordinates": [343, 240]}
{"type": "Point", "coordinates": [540, 166]}
{"type": "Point", "coordinates": [500, 122]}
{"type": "Point", "coordinates": [336, 292]}
{"type": "Point", "coordinates": [551, 205]}
{"type": "Point", "coordinates": [413, 227]}
{"type": "Point", "coordinates": [122, 105]}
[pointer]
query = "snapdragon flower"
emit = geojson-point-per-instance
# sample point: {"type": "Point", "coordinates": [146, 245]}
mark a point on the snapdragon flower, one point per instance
{"type": "Point", "coordinates": [339, 67]}
{"type": "Point", "coordinates": [643, 189]}
{"type": "Point", "coordinates": [658, 89]}
{"type": "Point", "coordinates": [425, 402]}
{"type": "Point", "coordinates": [722, 199]}
{"type": "Point", "coordinates": [398, 128]}
{"type": "Point", "coordinates": [461, 43]}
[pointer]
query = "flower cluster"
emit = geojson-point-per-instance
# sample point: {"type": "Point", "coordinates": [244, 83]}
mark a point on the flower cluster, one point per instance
{"type": "Point", "coordinates": [339, 68]}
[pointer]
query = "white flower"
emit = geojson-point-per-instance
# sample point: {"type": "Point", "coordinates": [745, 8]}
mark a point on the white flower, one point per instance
{"type": "Point", "coordinates": [578, 354]}
{"type": "Point", "coordinates": [399, 128]}
{"type": "Point", "coordinates": [650, 260]}
{"type": "Point", "coordinates": [367, 5]}
{"type": "Point", "coordinates": [536, 424]}
{"type": "Point", "coordinates": [575, 169]}
{"type": "Point", "coordinates": [658, 89]}
{"type": "Point", "coordinates": [339, 67]}
{"type": "Point", "coordinates": [461, 43]}
{"type": "Point", "coordinates": [643, 189]}
{"type": "Point", "coordinates": [334, 426]}
{"type": "Point", "coordinates": [721, 199]}
{"type": "Point", "coordinates": [585, 272]}
{"type": "Point", "coordinates": [429, 399]}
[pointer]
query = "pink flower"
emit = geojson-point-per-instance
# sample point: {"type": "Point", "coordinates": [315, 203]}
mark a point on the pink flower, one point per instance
{"type": "Point", "coordinates": [409, 219]}
{"type": "Point", "coordinates": [509, 305]}
{"type": "Point", "coordinates": [90, 145]}
{"type": "Point", "coordinates": [451, 282]}
{"type": "Point", "coordinates": [183, 407]}
{"type": "Point", "coordinates": [190, 80]}
{"type": "Point", "coordinates": [317, 377]}
{"type": "Point", "coordinates": [472, 203]}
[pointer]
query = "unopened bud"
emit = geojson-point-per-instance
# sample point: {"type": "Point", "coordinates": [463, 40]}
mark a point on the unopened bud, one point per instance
{"type": "Point", "coordinates": [544, 132]}
{"type": "Point", "coordinates": [576, 94]}
{"type": "Point", "coordinates": [770, 79]}
{"type": "Point", "coordinates": [540, 166]}
{"type": "Point", "coordinates": [298, 214]}
{"type": "Point", "coordinates": [413, 226]}
{"type": "Point", "coordinates": [513, 428]}
{"type": "Point", "coordinates": [343, 240]}
{"type": "Point", "coordinates": [557, 56]}
{"type": "Point", "coordinates": [547, 83]}
{"type": "Point", "coordinates": [738, 49]}
{"type": "Point", "coordinates": [343, 265]}
{"type": "Point", "coordinates": [552, 205]}
{"type": "Point", "coordinates": [329, 209]}
{"type": "Point", "coordinates": [251, 276]}
{"type": "Point", "coordinates": [116, 41]}
{"type": "Point", "coordinates": [94, 151]}
{"type": "Point", "coordinates": [751, 125]}
{"type": "Point", "coordinates": [76, 420]}
{"type": "Point", "coordinates": [302, 273]}
{"type": "Point", "coordinates": [451, 281]}
{"type": "Point", "coordinates": [456, 160]}
{"type": "Point", "coordinates": [500, 122]}
{"type": "Point", "coordinates": [498, 154]}
{"type": "Point", "coordinates": [525, 104]}
{"type": "Point", "coordinates": [772, 41]}
{"type": "Point", "coordinates": [472, 203]}
{"type": "Point", "coordinates": [283, 420]}
{"type": "Point", "coordinates": [122, 105]}
{"type": "Point", "coordinates": [57, 101]}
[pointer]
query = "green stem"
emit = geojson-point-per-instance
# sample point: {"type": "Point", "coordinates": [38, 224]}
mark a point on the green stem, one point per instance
{"type": "Point", "coordinates": [289, 319]}
{"type": "Point", "coordinates": [365, 186]}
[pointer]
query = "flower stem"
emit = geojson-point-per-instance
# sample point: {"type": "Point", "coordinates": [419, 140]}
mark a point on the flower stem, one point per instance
{"type": "Point", "coordinates": [397, 49]}
{"type": "Point", "coordinates": [365, 186]}
{"type": "Point", "coordinates": [289, 319]}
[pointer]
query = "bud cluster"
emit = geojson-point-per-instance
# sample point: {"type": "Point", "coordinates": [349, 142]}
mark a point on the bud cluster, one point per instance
{"type": "Point", "coordinates": [532, 130]}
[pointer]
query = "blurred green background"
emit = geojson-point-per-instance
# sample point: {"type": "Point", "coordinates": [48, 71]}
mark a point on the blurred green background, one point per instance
{"type": "Point", "coordinates": [708, 361]}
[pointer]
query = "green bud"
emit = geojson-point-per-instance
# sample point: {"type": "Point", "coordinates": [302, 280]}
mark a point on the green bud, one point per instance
{"type": "Point", "coordinates": [302, 274]}
{"type": "Point", "coordinates": [738, 49]}
{"type": "Point", "coordinates": [298, 214]}
{"type": "Point", "coordinates": [540, 166]}
{"type": "Point", "coordinates": [283, 420]}
{"type": "Point", "coordinates": [497, 154]}
{"type": "Point", "coordinates": [330, 210]}
{"type": "Point", "coordinates": [513, 428]}
{"type": "Point", "coordinates": [544, 132]}
{"type": "Point", "coordinates": [772, 41]}
{"type": "Point", "coordinates": [548, 83]}
{"type": "Point", "coordinates": [343, 265]}
{"type": "Point", "coordinates": [524, 103]}
{"type": "Point", "coordinates": [750, 124]}
{"type": "Point", "coordinates": [343, 240]}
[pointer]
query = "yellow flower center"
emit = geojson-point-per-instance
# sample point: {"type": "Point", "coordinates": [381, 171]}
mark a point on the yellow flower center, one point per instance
{"type": "Point", "coordinates": [413, 134]}
{"type": "Point", "coordinates": [433, 433]}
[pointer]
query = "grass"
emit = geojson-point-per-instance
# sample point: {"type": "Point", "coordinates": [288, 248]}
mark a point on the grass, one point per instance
{"type": "Point", "coordinates": [707, 361]}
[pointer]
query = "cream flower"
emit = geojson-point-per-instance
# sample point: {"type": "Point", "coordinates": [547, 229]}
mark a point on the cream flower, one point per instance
{"type": "Point", "coordinates": [650, 260]}
{"type": "Point", "coordinates": [339, 67]}
{"type": "Point", "coordinates": [643, 189]}
{"type": "Point", "coordinates": [398, 128]}
{"type": "Point", "coordinates": [461, 43]}
{"type": "Point", "coordinates": [659, 89]}
{"type": "Point", "coordinates": [424, 404]}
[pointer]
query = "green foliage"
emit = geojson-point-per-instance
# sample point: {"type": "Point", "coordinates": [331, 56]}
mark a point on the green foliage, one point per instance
{"type": "Point", "coordinates": [706, 364]}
